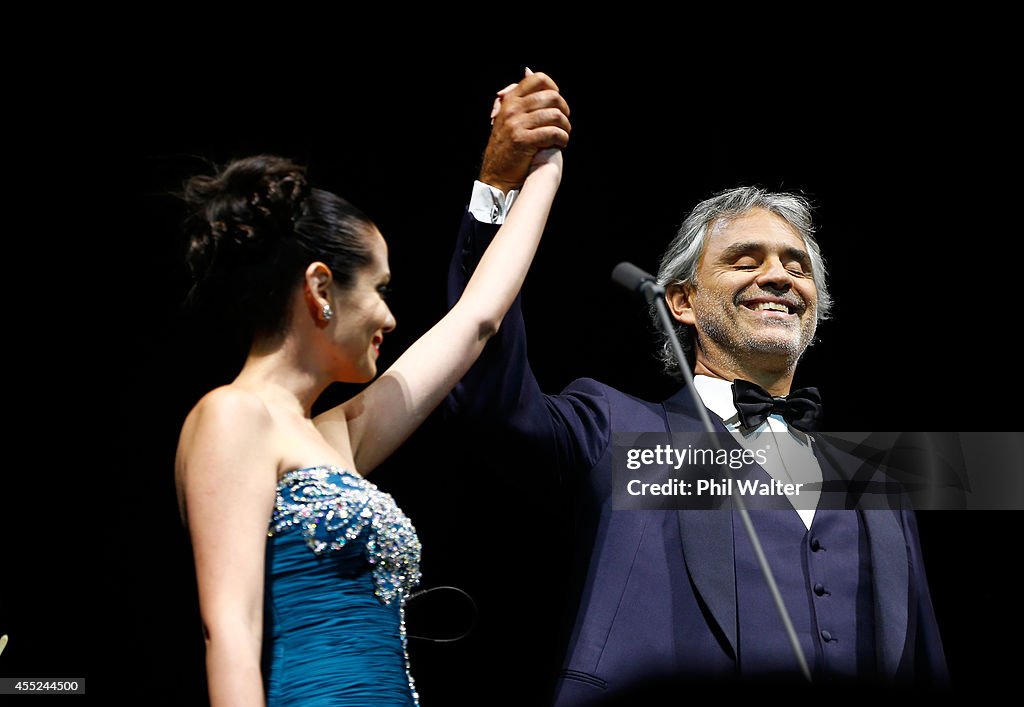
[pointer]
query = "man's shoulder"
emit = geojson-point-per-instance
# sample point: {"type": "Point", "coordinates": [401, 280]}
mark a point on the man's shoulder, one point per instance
{"type": "Point", "coordinates": [596, 389]}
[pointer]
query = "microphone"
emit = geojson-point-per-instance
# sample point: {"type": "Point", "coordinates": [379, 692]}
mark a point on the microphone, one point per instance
{"type": "Point", "coordinates": [637, 281]}
{"type": "Point", "coordinates": [633, 279]}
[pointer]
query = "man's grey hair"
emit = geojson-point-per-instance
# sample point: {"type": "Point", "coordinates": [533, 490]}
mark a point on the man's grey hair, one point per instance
{"type": "Point", "coordinates": [679, 263]}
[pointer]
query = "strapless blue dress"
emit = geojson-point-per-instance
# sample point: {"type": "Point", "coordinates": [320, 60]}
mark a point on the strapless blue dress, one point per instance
{"type": "Point", "coordinates": [341, 560]}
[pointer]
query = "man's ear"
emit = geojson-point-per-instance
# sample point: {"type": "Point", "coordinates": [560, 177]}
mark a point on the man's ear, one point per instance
{"type": "Point", "coordinates": [679, 297]}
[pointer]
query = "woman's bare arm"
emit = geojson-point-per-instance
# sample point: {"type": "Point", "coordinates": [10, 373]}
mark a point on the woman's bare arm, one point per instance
{"type": "Point", "coordinates": [380, 418]}
{"type": "Point", "coordinates": [227, 475]}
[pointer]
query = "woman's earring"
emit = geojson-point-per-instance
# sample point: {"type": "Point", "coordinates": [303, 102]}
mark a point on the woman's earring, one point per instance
{"type": "Point", "coordinates": [326, 312]}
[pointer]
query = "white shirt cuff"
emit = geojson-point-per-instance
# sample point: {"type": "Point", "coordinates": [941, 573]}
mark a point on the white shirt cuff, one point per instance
{"type": "Point", "coordinates": [489, 204]}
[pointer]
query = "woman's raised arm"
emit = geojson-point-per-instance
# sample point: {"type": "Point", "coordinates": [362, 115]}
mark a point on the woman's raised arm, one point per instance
{"type": "Point", "coordinates": [380, 418]}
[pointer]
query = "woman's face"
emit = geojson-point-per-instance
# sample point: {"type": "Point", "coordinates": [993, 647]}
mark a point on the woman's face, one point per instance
{"type": "Point", "coordinates": [361, 315]}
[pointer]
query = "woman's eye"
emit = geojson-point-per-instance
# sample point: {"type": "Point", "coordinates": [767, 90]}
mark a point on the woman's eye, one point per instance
{"type": "Point", "coordinates": [384, 290]}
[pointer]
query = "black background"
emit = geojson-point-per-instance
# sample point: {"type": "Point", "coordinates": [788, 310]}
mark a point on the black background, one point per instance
{"type": "Point", "coordinates": [917, 227]}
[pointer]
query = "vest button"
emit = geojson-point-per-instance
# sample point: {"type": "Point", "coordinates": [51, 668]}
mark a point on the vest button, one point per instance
{"type": "Point", "coordinates": [815, 544]}
{"type": "Point", "coordinates": [826, 636]}
{"type": "Point", "coordinates": [819, 589]}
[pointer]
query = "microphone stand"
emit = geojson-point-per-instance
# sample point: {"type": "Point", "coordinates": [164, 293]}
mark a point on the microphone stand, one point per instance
{"type": "Point", "coordinates": [655, 294]}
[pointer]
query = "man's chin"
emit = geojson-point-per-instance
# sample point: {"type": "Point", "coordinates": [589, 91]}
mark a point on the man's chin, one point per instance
{"type": "Point", "coordinates": [778, 338]}
{"type": "Point", "coordinates": [778, 346]}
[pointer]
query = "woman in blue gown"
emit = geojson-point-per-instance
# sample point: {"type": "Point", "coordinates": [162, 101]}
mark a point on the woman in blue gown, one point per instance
{"type": "Point", "coordinates": [312, 614]}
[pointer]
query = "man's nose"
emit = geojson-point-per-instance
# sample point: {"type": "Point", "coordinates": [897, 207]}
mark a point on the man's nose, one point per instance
{"type": "Point", "coordinates": [773, 274]}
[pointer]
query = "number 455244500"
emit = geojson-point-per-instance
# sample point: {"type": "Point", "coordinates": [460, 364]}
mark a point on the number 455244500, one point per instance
{"type": "Point", "coordinates": [46, 685]}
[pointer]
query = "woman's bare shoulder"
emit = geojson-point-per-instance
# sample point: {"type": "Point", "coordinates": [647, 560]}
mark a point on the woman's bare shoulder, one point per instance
{"type": "Point", "coordinates": [226, 416]}
{"type": "Point", "coordinates": [230, 401]}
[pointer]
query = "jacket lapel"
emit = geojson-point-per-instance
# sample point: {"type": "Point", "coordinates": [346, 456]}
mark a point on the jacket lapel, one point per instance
{"type": "Point", "coordinates": [706, 535]}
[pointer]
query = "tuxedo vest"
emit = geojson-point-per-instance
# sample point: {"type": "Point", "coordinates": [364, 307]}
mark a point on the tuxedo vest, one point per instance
{"type": "Point", "coordinates": [824, 577]}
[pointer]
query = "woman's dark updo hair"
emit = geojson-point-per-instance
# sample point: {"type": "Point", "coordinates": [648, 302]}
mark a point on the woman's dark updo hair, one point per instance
{"type": "Point", "coordinates": [254, 228]}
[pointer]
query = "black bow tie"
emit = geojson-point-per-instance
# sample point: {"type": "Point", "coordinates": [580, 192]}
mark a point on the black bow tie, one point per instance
{"type": "Point", "coordinates": [801, 408]}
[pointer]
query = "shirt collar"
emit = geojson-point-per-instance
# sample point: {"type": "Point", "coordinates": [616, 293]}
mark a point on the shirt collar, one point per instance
{"type": "Point", "coordinates": [717, 396]}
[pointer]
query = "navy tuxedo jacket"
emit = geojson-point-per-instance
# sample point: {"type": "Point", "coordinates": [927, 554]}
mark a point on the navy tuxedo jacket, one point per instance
{"type": "Point", "coordinates": [658, 600]}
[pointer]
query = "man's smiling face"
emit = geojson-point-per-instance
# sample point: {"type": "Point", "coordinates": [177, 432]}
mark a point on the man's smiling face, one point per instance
{"type": "Point", "coordinates": [754, 293]}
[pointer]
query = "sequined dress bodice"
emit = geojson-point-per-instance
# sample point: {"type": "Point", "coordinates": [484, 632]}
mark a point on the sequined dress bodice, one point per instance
{"type": "Point", "coordinates": [341, 560]}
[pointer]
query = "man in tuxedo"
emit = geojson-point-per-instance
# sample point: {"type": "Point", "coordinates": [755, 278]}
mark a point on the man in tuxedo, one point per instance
{"type": "Point", "coordinates": [678, 595]}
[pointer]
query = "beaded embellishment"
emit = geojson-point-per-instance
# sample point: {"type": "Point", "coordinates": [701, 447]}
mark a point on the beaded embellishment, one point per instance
{"type": "Point", "coordinates": [334, 506]}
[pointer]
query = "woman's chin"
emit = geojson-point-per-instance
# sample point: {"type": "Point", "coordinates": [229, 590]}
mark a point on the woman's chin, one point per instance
{"type": "Point", "coordinates": [363, 375]}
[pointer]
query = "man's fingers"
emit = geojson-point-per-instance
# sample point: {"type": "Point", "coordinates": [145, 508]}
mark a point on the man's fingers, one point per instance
{"type": "Point", "coordinates": [550, 136]}
{"type": "Point", "coordinates": [544, 99]}
{"type": "Point", "coordinates": [532, 139]}
{"type": "Point", "coordinates": [533, 83]}
{"type": "Point", "coordinates": [547, 117]}
{"type": "Point", "coordinates": [534, 110]}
